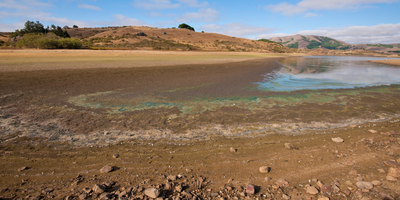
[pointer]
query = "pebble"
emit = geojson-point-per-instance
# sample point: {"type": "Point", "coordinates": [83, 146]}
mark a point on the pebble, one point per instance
{"type": "Point", "coordinates": [337, 140]}
{"type": "Point", "coordinates": [267, 179]}
{"type": "Point", "coordinates": [171, 177]}
{"type": "Point", "coordinates": [152, 192]}
{"type": "Point", "coordinates": [372, 131]}
{"type": "Point", "coordinates": [312, 190]}
{"type": "Point", "coordinates": [106, 169]}
{"type": "Point", "coordinates": [391, 163]}
{"type": "Point", "coordinates": [364, 185]}
{"type": "Point", "coordinates": [391, 178]}
{"type": "Point", "coordinates": [282, 183]}
{"type": "Point", "coordinates": [376, 183]}
{"type": "Point", "coordinates": [395, 172]}
{"type": "Point", "coordinates": [23, 169]}
{"type": "Point", "coordinates": [116, 156]}
{"type": "Point", "coordinates": [326, 189]}
{"type": "Point", "coordinates": [290, 146]}
{"type": "Point", "coordinates": [98, 189]}
{"type": "Point", "coordinates": [286, 197]}
{"type": "Point", "coordinates": [233, 150]}
{"type": "Point", "coordinates": [346, 191]}
{"type": "Point", "coordinates": [250, 189]}
{"type": "Point", "coordinates": [264, 169]}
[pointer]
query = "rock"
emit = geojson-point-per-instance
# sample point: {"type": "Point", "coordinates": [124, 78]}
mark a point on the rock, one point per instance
{"type": "Point", "coordinates": [323, 198]}
{"type": "Point", "coordinates": [326, 189]}
{"type": "Point", "coordinates": [337, 140]}
{"type": "Point", "coordinates": [178, 188]}
{"type": "Point", "coordinates": [106, 169]}
{"type": "Point", "coordinates": [105, 196]}
{"type": "Point", "coordinates": [98, 189]}
{"type": "Point", "coordinates": [372, 131]}
{"type": "Point", "coordinates": [348, 182]}
{"type": "Point", "coordinates": [391, 163]}
{"type": "Point", "coordinates": [87, 190]}
{"type": "Point", "coordinates": [376, 183]}
{"type": "Point", "coordinates": [233, 150]}
{"type": "Point", "coordinates": [282, 183]}
{"type": "Point", "coordinates": [152, 193]}
{"type": "Point", "coordinates": [312, 190]}
{"type": "Point", "coordinates": [381, 170]}
{"type": "Point", "coordinates": [346, 191]}
{"type": "Point", "coordinates": [395, 172]}
{"type": "Point", "coordinates": [286, 197]}
{"type": "Point", "coordinates": [364, 185]}
{"type": "Point", "coordinates": [82, 196]}
{"type": "Point", "coordinates": [264, 169]}
{"type": "Point", "coordinates": [349, 162]}
{"type": "Point", "coordinates": [320, 183]}
{"type": "Point", "coordinates": [290, 146]}
{"type": "Point", "coordinates": [385, 196]}
{"type": "Point", "coordinates": [335, 182]}
{"type": "Point", "coordinates": [250, 189]}
{"type": "Point", "coordinates": [391, 178]}
{"type": "Point", "coordinates": [168, 186]}
{"type": "Point", "coordinates": [122, 198]}
{"type": "Point", "coordinates": [171, 178]}
{"type": "Point", "coordinates": [335, 188]}
{"type": "Point", "coordinates": [267, 179]}
{"type": "Point", "coordinates": [116, 156]}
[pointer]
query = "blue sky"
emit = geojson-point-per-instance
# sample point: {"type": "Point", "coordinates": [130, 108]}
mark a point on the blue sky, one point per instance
{"type": "Point", "coordinates": [353, 21]}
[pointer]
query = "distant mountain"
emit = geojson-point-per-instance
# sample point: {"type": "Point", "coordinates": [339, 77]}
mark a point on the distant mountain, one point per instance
{"type": "Point", "coordinates": [311, 42]}
{"type": "Point", "coordinates": [322, 42]}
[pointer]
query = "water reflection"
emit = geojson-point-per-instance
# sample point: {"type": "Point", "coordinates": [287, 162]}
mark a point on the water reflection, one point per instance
{"type": "Point", "coordinates": [330, 72]}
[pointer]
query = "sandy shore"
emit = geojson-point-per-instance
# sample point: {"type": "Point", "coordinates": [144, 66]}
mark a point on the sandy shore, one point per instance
{"type": "Point", "coordinates": [389, 62]}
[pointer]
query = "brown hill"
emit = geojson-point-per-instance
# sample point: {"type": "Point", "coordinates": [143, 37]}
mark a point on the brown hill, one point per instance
{"type": "Point", "coordinates": [134, 37]}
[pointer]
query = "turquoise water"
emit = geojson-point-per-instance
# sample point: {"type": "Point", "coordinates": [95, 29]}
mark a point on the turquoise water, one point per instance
{"type": "Point", "coordinates": [329, 72]}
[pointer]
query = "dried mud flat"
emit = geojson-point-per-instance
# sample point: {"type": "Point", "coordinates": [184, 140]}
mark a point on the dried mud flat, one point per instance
{"type": "Point", "coordinates": [334, 144]}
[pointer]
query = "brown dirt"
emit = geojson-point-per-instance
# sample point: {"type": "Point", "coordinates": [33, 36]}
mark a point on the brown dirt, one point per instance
{"type": "Point", "coordinates": [58, 140]}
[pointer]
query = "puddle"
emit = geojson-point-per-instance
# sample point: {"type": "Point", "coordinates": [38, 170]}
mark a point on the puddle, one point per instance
{"type": "Point", "coordinates": [330, 72]}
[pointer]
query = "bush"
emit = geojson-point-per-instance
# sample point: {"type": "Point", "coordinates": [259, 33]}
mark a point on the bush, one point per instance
{"type": "Point", "coordinates": [183, 25]}
{"type": "Point", "coordinates": [48, 41]}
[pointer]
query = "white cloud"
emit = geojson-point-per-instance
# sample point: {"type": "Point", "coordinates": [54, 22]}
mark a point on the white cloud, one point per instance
{"type": "Point", "coordinates": [307, 5]}
{"type": "Point", "coordinates": [91, 7]}
{"type": "Point", "coordinates": [309, 14]}
{"type": "Point", "coordinates": [236, 29]}
{"type": "Point", "coordinates": [121, 20]}
{"type": "Point", "coordinates": [155, 4]}
{"type": "Point", "coordinates": [203, 15]}
{"type": "Point", "coordinates": [194, 3]}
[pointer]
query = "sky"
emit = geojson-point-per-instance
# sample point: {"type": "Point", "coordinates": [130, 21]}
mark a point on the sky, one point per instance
{"type": "Point", "coordinates": [352, 21]}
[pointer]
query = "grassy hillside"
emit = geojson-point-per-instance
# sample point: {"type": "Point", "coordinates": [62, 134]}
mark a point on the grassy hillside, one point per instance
{"type": "Point", "coordinates": [311, 42]}
{"type": "Point", "coordinates": [147, 38]}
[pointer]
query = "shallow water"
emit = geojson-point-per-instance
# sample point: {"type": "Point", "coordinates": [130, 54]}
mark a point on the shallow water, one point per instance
{"type": "Point", "coordinates": [329, 72]}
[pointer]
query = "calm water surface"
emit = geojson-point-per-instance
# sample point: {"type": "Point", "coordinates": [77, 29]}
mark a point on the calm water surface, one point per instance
{"type": "Point", "coordinates": [330, 72]}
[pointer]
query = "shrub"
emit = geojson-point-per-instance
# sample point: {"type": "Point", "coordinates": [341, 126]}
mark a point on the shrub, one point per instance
{"type": "Point", "coordinates": [183, 25]}
{"type": "Point", "coordinates": [48, 41]}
